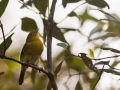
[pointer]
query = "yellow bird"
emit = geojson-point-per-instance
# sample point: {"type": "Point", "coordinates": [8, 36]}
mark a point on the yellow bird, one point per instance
{"type": "Point", "coordinates": [88, 62]}
{"type": "Point", "coordinates": [31, 52]}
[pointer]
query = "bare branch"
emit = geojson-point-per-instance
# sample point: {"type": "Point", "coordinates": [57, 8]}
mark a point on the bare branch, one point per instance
{"type": "Point", "coordinates": [115, 56]}
{"type": "Point", "coordinates": [99, 77]}
{"type": "Point", "coordinates": [22, 63]}
{"type": "Point", "coordinates": [50, 24]}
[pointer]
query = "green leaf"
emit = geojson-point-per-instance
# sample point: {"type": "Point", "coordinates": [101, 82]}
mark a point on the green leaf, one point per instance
{"type": "Point", "coordinates": [78, 86]}
{"type": "Point", "coordinates": [41, 5]}
{"type": "Point", "coordinates": [91, 53]}
{"type": "Point", "coordinates": [3, 5]}
{"type": "Point", "coordinates": [94, 80]}
{"type": "Point", "coordinates": [76, 63]}
{"type": "Point", "coordinates": [64, 2]}
{"type": "Point", "coordinates": [107, 14]}
{"type": "Point", "coordinates": [58, 68]}
{"type": "Point", "coordinates": [111, 49]}
{"type": "Point", "coordinates": [85, 16]}
{"type": "Point", "coordinates": [98, 3]}
{"type": "Point", "coordinates": [28, 24]}
{"type": "Point", "coordinates": [58, 34]}
{"type": "Point", "coordinates": [64, 45]}
{"type": "Point", "coordinates": [72, 14]}
{"type": "Point", "coordinates": [67, 30]}
{"type": "Point", "coordinates": [113, 24]}
{"type": "Point", "coordinates": [8, 42]}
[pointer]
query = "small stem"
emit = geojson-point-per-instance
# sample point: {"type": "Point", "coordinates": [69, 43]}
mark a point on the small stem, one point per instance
{"type": "Point", "coordinates": [117, 22]}
{"type": "Point", "coordinates": [99, 77]}
{"type": "Point", "coordinates": [107, 57]}
{"type": "Point", "coordinates": [22, 63]}
{"type": "Point", "coordinates": [72, 11]}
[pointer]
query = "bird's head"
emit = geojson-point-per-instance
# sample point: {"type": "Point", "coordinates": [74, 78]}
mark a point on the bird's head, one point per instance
{"type": "Point", "coordinates": [34, 35]}
{"type": "Point", "coordinates": [82, 54]}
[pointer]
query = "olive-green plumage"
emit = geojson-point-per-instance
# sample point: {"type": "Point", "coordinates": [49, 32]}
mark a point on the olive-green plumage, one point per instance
{"type": "Point", "coordinates": [88, 62]}
{"type": "Point", "coordinates": [31, 52]}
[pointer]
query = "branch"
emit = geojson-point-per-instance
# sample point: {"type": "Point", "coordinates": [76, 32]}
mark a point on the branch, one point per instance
{"type": "Point", "coordinates": [115, 56]}
{"type": "Point", "coordinates": [72, 11]}
{"type": "Point", "coordinates": [50, 24]}
{"type": "Point", "coordinates": [99, 77]}
{"type": "Point", "coordinates": [117, 22]}
{"type": "Point", "coordinates": [107, 57]}
{"type": "Point", "coordinates": [52, 10]}
{"type": "Point", "coordinates": [1, 26]}
{"type": "Point", "coordinates": [27, 7]}
{"type": "Point", "coordinates": [25, 64]}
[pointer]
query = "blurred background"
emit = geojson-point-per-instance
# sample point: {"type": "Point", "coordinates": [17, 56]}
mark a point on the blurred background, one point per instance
{"type": "Point", "coordinates": [88, 29]}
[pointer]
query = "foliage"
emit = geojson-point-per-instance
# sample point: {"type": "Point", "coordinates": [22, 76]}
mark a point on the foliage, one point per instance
{"type": "Point", "coordinates": [3, 5]}
{"type": "Point", "coordinates": [66, 62]}
{"type": "Point", "coordinates": [28, 24]}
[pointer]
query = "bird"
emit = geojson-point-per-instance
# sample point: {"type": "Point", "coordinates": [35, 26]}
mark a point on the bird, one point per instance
{"type": "Point", "coordinates": [30, 53]}
{"type": "Point", "coordinates": [88, 61]}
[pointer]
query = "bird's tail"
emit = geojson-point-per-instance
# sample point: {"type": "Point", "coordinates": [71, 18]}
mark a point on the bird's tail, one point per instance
{"type": "Point", "coordinates": [22, 74]}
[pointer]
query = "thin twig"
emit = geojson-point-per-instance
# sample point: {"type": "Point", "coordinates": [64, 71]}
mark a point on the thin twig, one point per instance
{"type": "Point", "coordinates": [115, 56]}
{"type": "Point", "coordinates": [26, 6]}
{"type": "Point", "coordinates": [72, 11]}
{"type": "Point", "coordinates": [98, 78]}
{"type": "Point", "coordinates": [117, 22]}
{"type": "Point", "coordinates": [113, 67]}
{"type": "Point", "coordinates": [9, 31]}
{"type": "Point", "coordinates": [107, 14]}
{"type": "Point", "coordinates": [22, 63]}
{"type": "Point", "coordinates": [4, 42]}
{"type": "Point", "coordinates": [105, 63]}
{"type": "Point", "coordinates": [107, 57]}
